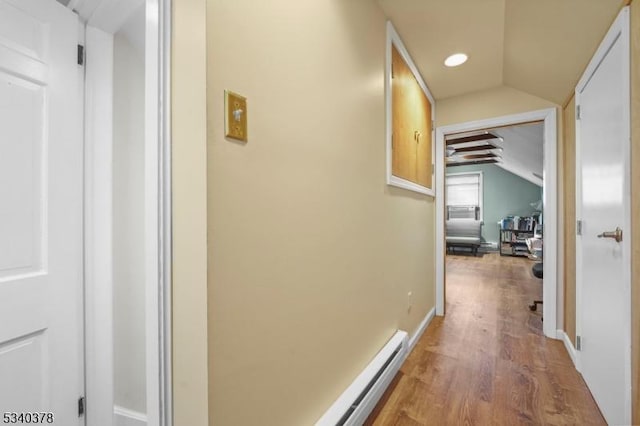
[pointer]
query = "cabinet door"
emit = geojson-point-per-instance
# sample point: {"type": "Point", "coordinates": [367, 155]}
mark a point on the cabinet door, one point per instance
{"type": "Point", "coordinates": [411, 125]}
{"type": "Point", "coordinates": [403, 119]}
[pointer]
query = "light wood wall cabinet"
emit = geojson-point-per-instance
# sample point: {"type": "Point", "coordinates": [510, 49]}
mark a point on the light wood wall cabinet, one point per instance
{"type": "Point", "coordinates": [409, 120]}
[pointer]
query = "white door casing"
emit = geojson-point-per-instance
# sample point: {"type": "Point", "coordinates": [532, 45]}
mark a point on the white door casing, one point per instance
{"type": "Point", "coordinates": [41, 155]}
{"type": "Point", "coordinates": [98, 227]}
{"type": "Point", "coordinates": [552, 291]}
{"type": "Point", "coordinates": [103, 19]}
{"type": "Point", "coordinates": [603, 267]}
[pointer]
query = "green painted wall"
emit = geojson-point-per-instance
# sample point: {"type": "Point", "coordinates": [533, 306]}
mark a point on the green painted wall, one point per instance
{"type": "Point", "coordinates": [504, 194]}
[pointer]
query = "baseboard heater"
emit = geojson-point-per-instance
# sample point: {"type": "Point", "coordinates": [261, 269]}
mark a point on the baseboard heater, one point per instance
{"type": "Point", "coordinates": [356, 403]}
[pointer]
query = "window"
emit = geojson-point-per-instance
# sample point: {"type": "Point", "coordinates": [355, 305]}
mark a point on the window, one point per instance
{"type": "Point", "coordinates": [464, 195]}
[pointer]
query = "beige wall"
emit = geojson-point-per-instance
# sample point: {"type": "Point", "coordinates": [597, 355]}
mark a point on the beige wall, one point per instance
{"type": "Point", "coordinates": [188, 103]}
{"type": "Point", "coordinates": [635, 205]}
{"type": "Point", "coordinates": [569, 213]}
{"type": "Point", "coordinates": [311, 254]}
{"type": "Point", "coordinates": [486, 104]}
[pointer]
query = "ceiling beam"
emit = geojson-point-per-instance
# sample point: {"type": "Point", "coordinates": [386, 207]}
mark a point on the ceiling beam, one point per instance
{"type": "Point", "coordinates": [480, 156]}
{"type": "Point", "coordinates": [472, 163]}
{"type": "Point", "coordinates": [484, 147]}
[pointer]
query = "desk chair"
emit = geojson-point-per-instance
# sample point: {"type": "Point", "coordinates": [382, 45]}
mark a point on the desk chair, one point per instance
{"type": "Point", "coordinates": [537, 270]}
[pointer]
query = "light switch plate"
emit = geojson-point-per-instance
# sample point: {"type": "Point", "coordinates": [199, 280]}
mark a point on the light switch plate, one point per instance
{"type": "Point", "coordinates": [235, 111]}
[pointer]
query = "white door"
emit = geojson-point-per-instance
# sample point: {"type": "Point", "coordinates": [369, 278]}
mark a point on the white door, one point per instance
{"type": "Point", "coordinates": [603, 205]}
{"type": "Point", "coordinates": [41, 154]}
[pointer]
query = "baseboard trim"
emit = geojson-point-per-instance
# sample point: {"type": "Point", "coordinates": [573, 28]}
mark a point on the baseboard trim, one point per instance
{"type": "Point", "coordinates": [571, 350]}
{"type": "Point", "coordinates": [366, 405]}
{"type": "Point", "coordinates": [421, 328]}
{"type": "Point", "coordinates": [125, 417]}
{"type": "Point", "coordinates": [355, 404]}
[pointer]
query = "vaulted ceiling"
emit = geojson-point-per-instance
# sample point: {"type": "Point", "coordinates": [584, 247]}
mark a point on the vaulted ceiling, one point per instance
{"type": "Point", "coordinates": [523, 150]}
{"type": "Point", "coordinates": [537, 46]}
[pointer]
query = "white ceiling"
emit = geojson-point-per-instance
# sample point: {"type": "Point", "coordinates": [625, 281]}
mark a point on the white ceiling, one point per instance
{"type": "Point", "coordinates": [523, 150]}
{"type": "Point", "coordinates": [107, 15]}
{"type": "Point", "coordinates": [133, 29]}
{"type": "Point", "coordinates": [537, 46]}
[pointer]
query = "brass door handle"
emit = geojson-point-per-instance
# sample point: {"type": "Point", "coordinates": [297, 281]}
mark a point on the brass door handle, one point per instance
{"type": "Point", "coordinates": [616, 235]}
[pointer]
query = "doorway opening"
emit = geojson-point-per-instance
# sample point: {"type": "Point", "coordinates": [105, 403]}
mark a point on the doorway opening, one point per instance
{"type": "Point", "coordinates": [475, 149]}
{"type": "Point", "coordinates": [127, 211]}
{"type": "Point", "coordinates": [494, 223]}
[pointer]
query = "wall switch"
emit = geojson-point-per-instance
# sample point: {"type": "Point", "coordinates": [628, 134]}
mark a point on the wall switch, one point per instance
{"type": "Point", "coordinates": [409, 301]}
{"type": "Point", "coordinates": [235, 112]}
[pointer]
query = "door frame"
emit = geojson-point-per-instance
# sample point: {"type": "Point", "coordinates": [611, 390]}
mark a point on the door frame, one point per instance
{"type": "Point", "coordinates": [394, 40]}
{"type": "Point", "coordinates": [100, 28]}
{"type": "Point", "coordinates": [550, 191]}
{"type": "Point", "coordinates": [620, 29]}
{"type": "Point", "coordinates": [98, 246]}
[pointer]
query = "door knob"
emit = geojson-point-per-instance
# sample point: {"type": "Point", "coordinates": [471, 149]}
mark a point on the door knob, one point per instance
{"type": "Point", "coordinates": [616, 235]}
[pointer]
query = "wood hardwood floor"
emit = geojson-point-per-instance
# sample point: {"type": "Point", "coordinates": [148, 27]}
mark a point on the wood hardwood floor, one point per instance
{"type": "Point", "coordinates": [487, 362]}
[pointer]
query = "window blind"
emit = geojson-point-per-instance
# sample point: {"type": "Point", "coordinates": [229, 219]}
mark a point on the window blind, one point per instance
{"type": "Point", "coordinates": [463, 190]}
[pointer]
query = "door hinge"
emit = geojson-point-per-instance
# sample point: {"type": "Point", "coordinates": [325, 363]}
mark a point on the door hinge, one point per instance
{"type": "Point", "coordinates": [579, 227]}
{"type": "Point", "coordinates": [578, 112]}
{"type": "Point", "coordinates": [578, 343]}
{"type": "Point", "coordinates": [80, 54]}
{"type": "Point", "coordinates": [81, 406]}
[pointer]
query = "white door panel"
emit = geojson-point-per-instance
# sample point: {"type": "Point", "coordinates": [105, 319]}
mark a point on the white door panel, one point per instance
{"type": "Point", "coordinates": [603, 263]}
{"type": "Point", "coordinates": [41, 352]}
{"type": "Point", "coordinates": [21, 106]}
{"type": "Point", "coordinates": [22, 31]}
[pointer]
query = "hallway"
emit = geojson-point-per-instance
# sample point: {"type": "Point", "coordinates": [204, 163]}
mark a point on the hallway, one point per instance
{"type": "Point", "coordinates": [487, 361]}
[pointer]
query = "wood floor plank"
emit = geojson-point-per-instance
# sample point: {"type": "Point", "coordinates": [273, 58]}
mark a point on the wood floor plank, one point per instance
{"type": "Point", "coordinates": [487, 362]}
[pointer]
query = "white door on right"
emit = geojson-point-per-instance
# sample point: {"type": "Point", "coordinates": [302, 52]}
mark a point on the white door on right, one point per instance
{"type": "Point", "coordinates": [603, 267]}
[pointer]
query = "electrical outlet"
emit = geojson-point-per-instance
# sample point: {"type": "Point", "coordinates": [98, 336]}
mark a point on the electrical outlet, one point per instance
{"type": "Point", "coordinates": [409, 301]}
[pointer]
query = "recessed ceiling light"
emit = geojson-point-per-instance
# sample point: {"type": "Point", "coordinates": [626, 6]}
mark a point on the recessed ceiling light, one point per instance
{"type": "Point", "coordinates": [455, 60]}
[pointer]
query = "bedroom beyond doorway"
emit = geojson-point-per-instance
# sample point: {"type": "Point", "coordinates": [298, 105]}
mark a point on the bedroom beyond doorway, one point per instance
{"type": "Point", "coordinates": [494, 197]}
